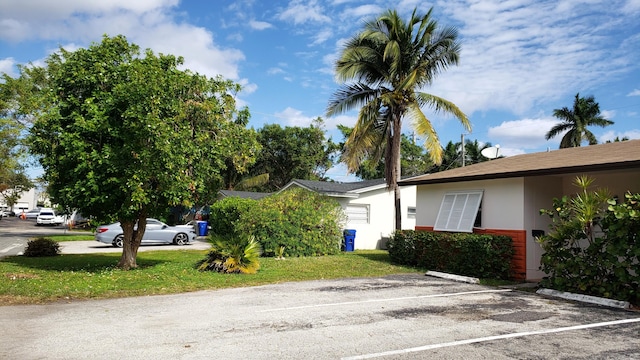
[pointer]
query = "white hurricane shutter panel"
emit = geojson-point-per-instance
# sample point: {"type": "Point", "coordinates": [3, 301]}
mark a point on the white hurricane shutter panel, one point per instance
{"type": "Point", "coordinates": [458, 211]}
{"type": "Point", "coordinates": [357, 214]}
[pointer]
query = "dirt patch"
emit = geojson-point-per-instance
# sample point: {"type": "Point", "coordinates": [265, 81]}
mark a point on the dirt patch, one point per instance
{"type": "Point", "coordinates": [20, 276]}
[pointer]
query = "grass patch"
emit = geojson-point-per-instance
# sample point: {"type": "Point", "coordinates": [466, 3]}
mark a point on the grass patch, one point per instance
{"type": "Point", "coordinates": [71, 237]}
{"type": "Point", "coordinates": [94, 276]}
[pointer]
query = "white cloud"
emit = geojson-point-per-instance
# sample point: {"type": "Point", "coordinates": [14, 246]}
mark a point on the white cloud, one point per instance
{"type": "Point", "coordinates": [509, 62]}
{"type": "Point", "coordinates": [631, 6]}
{"type": "Point", "coordinates": [50, 20]}
{"type": "Point", "coordinates": [608, 114]}
{"type": "Point", "coordinates": [300, 12]}
{"type": "Point", "coordinates": [612, 135]}
{"type": "Point", "coordinates": [247, 87]}
{"type": "Point", "coordinates": [7, 66]}
{"type": "Point", "coordinates": [195, 44]}
{"type": "Point", "coordinates": [321, 37]}
{"type": "Point", "coordinates": [635, 92]}
{"type": "Point", "coordinates": [294, 117]}
{"type": "Point", "coordinates": [148, 23]}
{"type": "Point", "coordinates": [334, 121]}
{"type": "Point", "coordinates": [259, 25]}
{"type": "Point", "coordinates": [363, 11]}
{"type": "Point", "coordinates": [523, 134]}
{"type": "Point", "coordinates": [275, 70]}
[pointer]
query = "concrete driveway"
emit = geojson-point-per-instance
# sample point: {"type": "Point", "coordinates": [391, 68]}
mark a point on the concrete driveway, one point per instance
{"type": "Point", "coordinates": [395, 317]}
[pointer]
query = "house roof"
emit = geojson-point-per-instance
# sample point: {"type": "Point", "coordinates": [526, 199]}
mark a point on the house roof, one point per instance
{"type": "Point", "coordinates": [338, 189]}
{"type": "Point", "coordinates": [243, 194]}
{"type": "Point", "coordinates": [611, 156]}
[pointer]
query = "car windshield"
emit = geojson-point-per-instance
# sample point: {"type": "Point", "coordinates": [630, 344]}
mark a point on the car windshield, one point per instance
{"type": "Point", "coordinates": [46, 213]}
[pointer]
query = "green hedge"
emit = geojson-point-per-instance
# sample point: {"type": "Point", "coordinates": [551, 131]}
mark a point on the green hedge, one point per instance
{"type": "Point", "coordinates": [482, 256]}
{"type": "Point", "coordinates": [301, 222]}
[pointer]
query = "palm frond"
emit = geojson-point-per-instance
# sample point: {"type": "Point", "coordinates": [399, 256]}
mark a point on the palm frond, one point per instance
{"type": "Point", "coordinates": [441, 105]}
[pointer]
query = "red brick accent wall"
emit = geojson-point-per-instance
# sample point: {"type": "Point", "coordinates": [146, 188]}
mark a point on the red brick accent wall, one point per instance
{"type": "Point", "coordinates": [519, 261]}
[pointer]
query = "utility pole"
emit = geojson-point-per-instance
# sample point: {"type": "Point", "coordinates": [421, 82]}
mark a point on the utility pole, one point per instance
{"type": "Point", "coordinates": [462, 145]}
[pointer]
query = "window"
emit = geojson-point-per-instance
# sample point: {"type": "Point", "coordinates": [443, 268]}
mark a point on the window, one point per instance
{"type": "Point", "coordinates": [458, 211]}
{"type": "Point", "coordinates": [411, 212]}
{"type": "Point", "coordinates": [358, 214]}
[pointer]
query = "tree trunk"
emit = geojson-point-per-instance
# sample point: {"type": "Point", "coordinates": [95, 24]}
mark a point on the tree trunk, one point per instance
{"type": "Point", "coordinates": [132, 239]}
{"type": "Point", "coordinates": [394, 174]}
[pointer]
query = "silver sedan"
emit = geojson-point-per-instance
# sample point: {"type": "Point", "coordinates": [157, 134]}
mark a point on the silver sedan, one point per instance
{"type": "Point", "coordinates": [156, 232]}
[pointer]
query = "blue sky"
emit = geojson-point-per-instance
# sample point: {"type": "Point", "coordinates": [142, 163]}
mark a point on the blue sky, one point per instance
{"type": "Point", "coordinates": [520, 59]}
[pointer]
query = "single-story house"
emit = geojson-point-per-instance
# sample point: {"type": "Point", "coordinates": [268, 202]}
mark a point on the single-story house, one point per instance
{"type": "Point", "coordinates": [369, 206]}
{"type": "Point", "coordinates": [504, 196]}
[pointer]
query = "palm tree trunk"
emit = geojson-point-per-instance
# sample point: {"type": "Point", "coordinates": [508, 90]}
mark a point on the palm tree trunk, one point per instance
{"type": "Point", "coordinates": [396, 170]}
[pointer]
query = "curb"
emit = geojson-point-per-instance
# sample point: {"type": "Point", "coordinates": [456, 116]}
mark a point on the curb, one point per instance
{"type": "Point", "coordinates": [585, 298]}
{"type": "Point", "coordinates": [459, 278]}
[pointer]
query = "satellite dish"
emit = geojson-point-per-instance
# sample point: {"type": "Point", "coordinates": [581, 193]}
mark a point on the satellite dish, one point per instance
{"type": "Point", "coordinates": [491, 152]}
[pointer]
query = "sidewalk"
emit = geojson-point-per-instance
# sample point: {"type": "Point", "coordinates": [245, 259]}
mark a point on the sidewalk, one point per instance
{"type": "Point", "coordinates": [88, 247]}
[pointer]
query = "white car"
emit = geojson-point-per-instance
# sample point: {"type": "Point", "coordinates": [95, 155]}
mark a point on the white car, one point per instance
{"type": "Point", "coordinates": [49, 217]}
{"type": "Point", "coordinates": [155, 232]}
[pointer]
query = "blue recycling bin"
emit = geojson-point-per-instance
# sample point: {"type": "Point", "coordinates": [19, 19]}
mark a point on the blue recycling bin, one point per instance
{"type": "Point", "coordinates": [349, 239]}
{"type": "Point", "coordinates": [202, 228]}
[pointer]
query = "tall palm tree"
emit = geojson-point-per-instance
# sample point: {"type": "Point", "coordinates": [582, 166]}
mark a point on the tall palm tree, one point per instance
{"type": "Point", "coordinates": [585, 112]}
{"type": "Point", "coordinates": [382, 70]}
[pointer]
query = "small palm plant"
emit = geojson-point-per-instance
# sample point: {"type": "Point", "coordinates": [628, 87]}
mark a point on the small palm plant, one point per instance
{"type": "Point", "coordinates": [233, 256]}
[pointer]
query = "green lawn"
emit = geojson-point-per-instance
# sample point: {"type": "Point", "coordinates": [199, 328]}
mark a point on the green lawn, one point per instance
{"type": "Point", "coordinates": [94, 276]}
{"type": "Point", "coordinates": [71, 237]}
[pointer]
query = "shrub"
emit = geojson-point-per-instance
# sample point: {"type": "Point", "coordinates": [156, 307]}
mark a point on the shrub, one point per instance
{"type": "Point", "coordinates": [482, 256]}
{"type": "Point", "coordinates": [593, 246]}
{"type": "Point", "coordinates": [42, 247]}
{"type": "Point", "coordinates": [233, 256]}
{"type": "Point", "coordinates": [305, 223]}
{"type": "Point", "coordinates": [226, 212]}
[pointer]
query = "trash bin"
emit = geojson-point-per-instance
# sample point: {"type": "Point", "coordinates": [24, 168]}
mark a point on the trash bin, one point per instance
{"type": "Point", "coordinates": [349, 239]}
{"type": "Point", "coordinates": [202, 228]}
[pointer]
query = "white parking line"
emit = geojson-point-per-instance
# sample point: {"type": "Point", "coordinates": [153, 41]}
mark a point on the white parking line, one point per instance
{"type": "Point", "coordinates": [489, 338]}
{"type": "Point", "coordinates": [385, 300]}
{"type": "Point", "coordinates": [7, 249]}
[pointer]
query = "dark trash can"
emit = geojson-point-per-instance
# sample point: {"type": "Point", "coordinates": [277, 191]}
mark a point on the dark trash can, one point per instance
{"type": "Point", "coordinates": [349, 240]}
{"type": "Point", "coordinates": [202, 228]}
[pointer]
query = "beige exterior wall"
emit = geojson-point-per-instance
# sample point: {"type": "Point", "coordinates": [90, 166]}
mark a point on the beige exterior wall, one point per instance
{"type": "Point", "coordinates": [539, 194]}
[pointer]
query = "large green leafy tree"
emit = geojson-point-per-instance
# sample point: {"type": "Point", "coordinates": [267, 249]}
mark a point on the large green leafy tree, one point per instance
{"type": "Point", "coordinates": [17, 104]}
{"type": "Point", "coordinates": [291, 153]}
{"type": "Point", "coordinates": [127, 135]}
{"type": "Point", "coordinates": [383, 70]}
{"type": "Point", "coordinates": [585, 112]}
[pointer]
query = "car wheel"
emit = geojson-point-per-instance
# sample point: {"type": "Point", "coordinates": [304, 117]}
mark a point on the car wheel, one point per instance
{"type": "Point", "coordinates": [118, 241]}
{"type": "Point", "coordinates": [181, 239]}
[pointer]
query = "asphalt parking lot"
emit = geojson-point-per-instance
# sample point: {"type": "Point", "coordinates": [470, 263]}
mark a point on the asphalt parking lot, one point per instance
{"type": "Point", "coordinates": [395, 317]}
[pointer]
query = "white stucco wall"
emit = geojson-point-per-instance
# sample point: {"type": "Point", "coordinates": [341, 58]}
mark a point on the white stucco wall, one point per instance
{"type": "Point", "coordinates": [28, 199]}
{"type": "Point", "coordinates": [381, 216]}
{"type": "Point", "coordinates": [502, 202]}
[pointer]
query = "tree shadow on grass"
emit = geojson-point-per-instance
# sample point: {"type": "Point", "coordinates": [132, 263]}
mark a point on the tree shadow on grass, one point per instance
{"type": "Point", "coordinates": [93, 263]}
